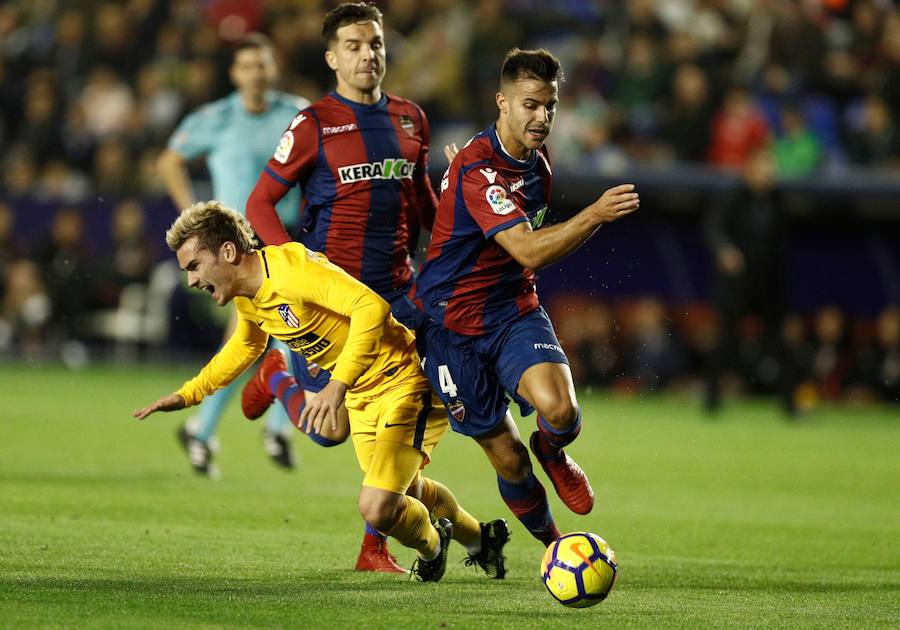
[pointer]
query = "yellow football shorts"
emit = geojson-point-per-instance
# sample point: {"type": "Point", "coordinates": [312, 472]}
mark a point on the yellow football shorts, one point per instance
{"type": "Point", "coordinates": [393, 434]}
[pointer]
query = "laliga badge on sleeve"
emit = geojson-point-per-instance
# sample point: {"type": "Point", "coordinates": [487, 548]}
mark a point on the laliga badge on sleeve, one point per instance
{"type": "Point", "coordinates": [283, 152]}
{"type": "Point", "coordinates": [498, 201]}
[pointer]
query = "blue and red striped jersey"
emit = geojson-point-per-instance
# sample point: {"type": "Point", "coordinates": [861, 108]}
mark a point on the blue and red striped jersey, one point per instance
{"type": "Point", "coordinates": [468, 282]}
{"type": "Point", "coordinates": [364, 174]}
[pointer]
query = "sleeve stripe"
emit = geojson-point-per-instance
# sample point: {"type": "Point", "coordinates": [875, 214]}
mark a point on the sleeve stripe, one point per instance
{"type": "Point", "coordinates": [505, 226]}
{"type": "Point", "coordinates": [278, 178]}
{"type": "Point", "coordinates": [464, 170]}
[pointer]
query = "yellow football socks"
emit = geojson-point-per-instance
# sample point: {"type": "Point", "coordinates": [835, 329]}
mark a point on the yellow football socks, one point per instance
{"type": "Point", "coordinates": [441, 502]}
{"type": "Point", "coordinates": [414, 529]}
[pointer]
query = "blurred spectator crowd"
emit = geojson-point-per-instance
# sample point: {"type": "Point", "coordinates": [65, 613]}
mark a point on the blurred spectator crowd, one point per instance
{"type": "Point", "coordinates": [638, 345]}
{"type": "Point", "coordinates": [51, 290]}
{"type": "Point", "coordinates": [91, 91]}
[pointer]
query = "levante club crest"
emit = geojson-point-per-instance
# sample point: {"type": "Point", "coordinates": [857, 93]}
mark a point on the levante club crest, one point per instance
{"type": "Point", "coordinates": [406, 124]}
{"type": "Point", "coordinates": [457, 410]}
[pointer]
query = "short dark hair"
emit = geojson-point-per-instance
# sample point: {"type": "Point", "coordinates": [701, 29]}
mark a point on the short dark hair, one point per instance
{"type": "Point", "coordinates": [538, 64]}
{"type": "Point", "coordinates": [348, 13]}
{"type": "Point", "coordinates": [253, 41]}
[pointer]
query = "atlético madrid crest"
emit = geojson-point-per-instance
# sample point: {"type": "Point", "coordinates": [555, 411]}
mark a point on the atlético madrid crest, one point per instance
{"type": "Point", "coordinates": [406, 124]}
{"type": "Point", "coordinates": [457, 410]}
{"type": "Point", "coordinates": [288, 316]}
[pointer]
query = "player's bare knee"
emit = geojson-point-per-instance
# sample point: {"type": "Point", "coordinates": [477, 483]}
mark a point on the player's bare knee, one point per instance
{"type": "Point", "coordinates": [379, 511]}
{"type": "Point", "coordinates": [560, 413]}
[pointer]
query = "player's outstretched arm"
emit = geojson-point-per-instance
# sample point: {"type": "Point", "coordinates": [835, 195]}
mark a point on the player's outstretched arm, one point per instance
{"type": "Point", "coordinates": [261, 210]}
{"type": "Point", "coordinates": [537, 249]}
{"type": "Point", "coordinates": [171, 402]}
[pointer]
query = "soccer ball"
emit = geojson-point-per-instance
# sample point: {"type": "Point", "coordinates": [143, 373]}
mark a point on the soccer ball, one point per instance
{"type": "Point", "coordinates": [579, 569]}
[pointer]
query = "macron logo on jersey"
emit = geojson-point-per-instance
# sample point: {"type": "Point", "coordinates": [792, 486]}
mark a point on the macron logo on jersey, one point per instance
{"type": "Point", "coordinates": [328, 131]}
{"type": "Point", "coordinates": [489, 173]}
{"type": "Point", "coordinates": [387, 169]}
{"type": "Point", "coordinates": [299, 118]}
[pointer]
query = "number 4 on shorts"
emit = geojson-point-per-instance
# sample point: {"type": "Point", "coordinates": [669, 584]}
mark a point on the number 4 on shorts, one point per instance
{"type": "Point", "coordinates": [446, 381]}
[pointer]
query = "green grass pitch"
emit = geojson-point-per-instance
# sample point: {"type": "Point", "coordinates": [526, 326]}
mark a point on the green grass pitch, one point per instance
{"type": "Point", "coordinates": [746, 520]}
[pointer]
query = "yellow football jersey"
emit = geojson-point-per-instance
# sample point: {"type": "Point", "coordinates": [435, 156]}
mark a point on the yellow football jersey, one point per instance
{"type": "Point", "coordinates": [307, 302]}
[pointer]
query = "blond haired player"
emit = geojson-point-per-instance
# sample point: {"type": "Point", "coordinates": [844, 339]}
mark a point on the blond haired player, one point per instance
{"type": "Point", "coordinates": [317, 309]}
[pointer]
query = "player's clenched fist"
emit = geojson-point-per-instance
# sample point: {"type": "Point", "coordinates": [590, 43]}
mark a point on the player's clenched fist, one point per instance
{"type": "Point", "coordinates": [615, 203]}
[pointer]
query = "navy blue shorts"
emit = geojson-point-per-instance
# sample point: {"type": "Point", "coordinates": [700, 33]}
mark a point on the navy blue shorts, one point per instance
{"type": "Point", "coordinates": [312, 378]}
{"type": "Point", "coordinates": [476, 376]}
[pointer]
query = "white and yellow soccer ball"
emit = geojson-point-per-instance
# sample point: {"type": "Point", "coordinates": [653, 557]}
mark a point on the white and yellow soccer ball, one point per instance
{"type": "Point", "coordinates": [579, 569]}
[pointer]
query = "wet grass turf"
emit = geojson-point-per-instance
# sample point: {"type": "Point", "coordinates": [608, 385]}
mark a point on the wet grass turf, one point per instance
{"type": "Point", "coordinates": [745, 520]}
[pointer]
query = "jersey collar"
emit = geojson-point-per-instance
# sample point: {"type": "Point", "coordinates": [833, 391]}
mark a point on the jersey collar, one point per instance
{"type": "Point", "coordinates": [501, 150]}
{"type": "Point", "coordinates": [361, 106]}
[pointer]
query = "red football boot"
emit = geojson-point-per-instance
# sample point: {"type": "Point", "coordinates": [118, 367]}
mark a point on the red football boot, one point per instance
{"type": "Point", "coordinates": [257, 397]}
{"type": "Point", "coordinates": [568, 479]}
{"type": "Point", "coordinates": [374, 556]}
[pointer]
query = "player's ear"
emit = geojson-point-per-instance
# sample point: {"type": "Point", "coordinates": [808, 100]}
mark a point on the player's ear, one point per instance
{"type": "Point", "coordinates": [502, 103]}
{"type": "Point", "coordinates": [331, 59]}
{"type": "Point", "coordinates": [228, 251]}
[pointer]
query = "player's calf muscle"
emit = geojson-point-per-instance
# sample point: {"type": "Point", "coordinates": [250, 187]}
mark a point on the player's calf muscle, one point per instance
{"type": "Point", "coordinates": [508, 456]}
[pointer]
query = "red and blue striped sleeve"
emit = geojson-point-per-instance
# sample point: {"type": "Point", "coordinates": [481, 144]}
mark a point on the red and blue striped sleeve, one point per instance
{"type": "Point", "coordinates": [426, 200]}
{"type": "Point", "coordinates": [489, 202]}
{"type": "Point", "coordinates": [295, 154]}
